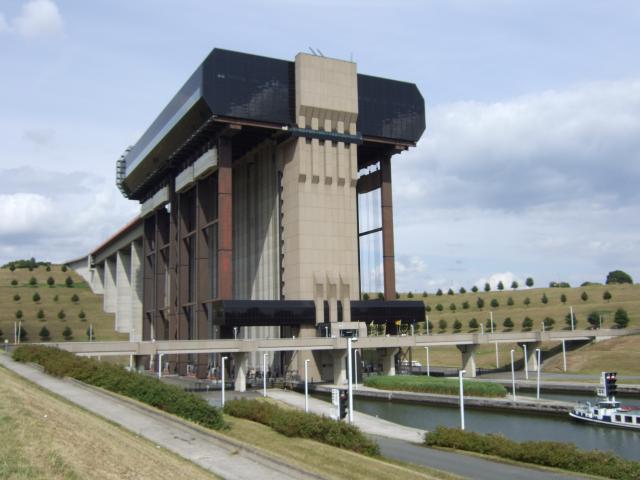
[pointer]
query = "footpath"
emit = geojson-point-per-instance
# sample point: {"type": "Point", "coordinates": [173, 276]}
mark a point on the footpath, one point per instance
{"type": "Point", "coordinates": [218, 454]}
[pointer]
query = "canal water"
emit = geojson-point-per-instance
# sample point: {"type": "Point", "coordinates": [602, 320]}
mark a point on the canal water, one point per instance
{"type": "Point", "coordinates": [518, 426]}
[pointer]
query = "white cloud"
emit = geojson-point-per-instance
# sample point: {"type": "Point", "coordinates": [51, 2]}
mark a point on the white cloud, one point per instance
{"type": "Point", "coordinates": [38, 18]}
{"type": "Point", "coordinates": [506, 278]}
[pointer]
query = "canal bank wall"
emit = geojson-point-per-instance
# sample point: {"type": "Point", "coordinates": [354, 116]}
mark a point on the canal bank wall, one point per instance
{"type": "Point", "coordinates": [566, 387]}
{"type": "Point", "coordinates": [521, 404]}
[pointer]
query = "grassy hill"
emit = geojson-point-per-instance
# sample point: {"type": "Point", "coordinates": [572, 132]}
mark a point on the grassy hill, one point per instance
{"type": "Point", "coordinates": [617, 353]}
{"type": "Point", "coordinates": [53, 299]}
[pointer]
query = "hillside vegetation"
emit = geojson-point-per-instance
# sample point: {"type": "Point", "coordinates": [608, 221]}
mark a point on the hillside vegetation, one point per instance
{"type": "Point", "coordinates": [53, 299]}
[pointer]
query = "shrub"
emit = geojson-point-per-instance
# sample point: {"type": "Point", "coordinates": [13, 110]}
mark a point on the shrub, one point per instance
{"type": "Point", "coordinates": [495, 303]}
{"type": "Point", "coordinates": [527, 324]}
{"type": "Point", "coordinates": [548, 323]}
{"type": "Point", "coordinates": [465, 305]}
{"type": "Point", "coordinates": [508, 323]}
{"type": "Point", "coordinates": [51, 282]}
{"type": "Point", "coordinates": [529, 282]}
{"type": "Point", "coordinates": [457, 325]}
{"type": "Point", "coordinates": [510, 301]}
{"type": "Point", "coordinates": [56, 298]}
{"type": "Point", "coordinates": [14, 283]}
{"type": "Point", "coordinates": [489, 325]}
{"type": "Point", "coordinates": [563, 298]}
{"type": "Point", "coordinates": [40, 314]}
{"type": "Point", "coordinates": [397, 295]}
{"type": "Point", "coordinates": [380, 296]}
{"type": "Point", "coordinates": [480, 303]}
{"type": "Point", "coordinates": [293, 423]}
{"type": "Point", "coordinates": [116, 379]}
{"type": "Point", "coordinates": [462, 290]}
{"type": "Point", "coordinates": [439, 292]}
{"type": "Point", "coordinates": [410, 295]}
{"type": "Point", "coordinates": [487, 287]}
{"type": "Point", "coordinates": [75, 298]}
{"type": "Point", "coordinates": [48, 268]}
{"type": "Point", "coordinates": [473, 324]}
{"type": "Point", "coordinates": [514, 285]}
{"type": "Point", "coordinates": [61, 315]}
{"type": "Point", "coordinates": [18, 314]}
{"type": "Point", "coordinates": [551, 454]}
{"type": "Point", "coordinates": [33, 282]}
{"type": "Point", "coordinates": [36, 297]}
{"type": "Point", "coordinates": [618, 276]}
{"type": "Point", "coordinates": [621, 318]}
{"type": "Point", "coordinates": [91, 335]}
{"type": "Point", "coordinates": [442, 324]}
{"type": "Point", "coordinates": [452, 307]}
{"type": "Point", "coordinates": [44, 334]}
{"type": "Point", "coordinates": [441, 385]}
{"type": "Point", "coordinates": [450, 292]}
{"type": "Point", "coordinates": [428, 308]}
{"type": "Point", "coordinates": [67, 333]}
{"type": "Point", "coordinates": [365, 296]}
{"type": "Point", "coordinates": [526, 301]}
{"type": "Point", "coordinates": [64, 268]}
{"type": "Point", "coordinates": [474, 289]}
{"type": "Point", "coordinates": [606, 295]}
{"type": "Point", "coordinates": [69, 282]}
{"type": "Point", "coordinates": [594, 319]}
{"type": "Point", "coordinates": [82, 316]}
{"type": "Point", "coordinates": [23, 334]}
{"type": "Point", "coordinates": [424, 294]}
{"type": "Point", "coordinates": [439, 307]}
{"type": "Point", "coordinates": [12, 267]}
{"type": "Point", "coordinates": [16, 298]}
{"type": "Point", "coordinates": [544, 299]}
{"type": "Point", "coordinates": [500, 285]}
{"type": "Point", "coordinates": [584, 296]}
{"type": "Point", "coordinates": [567, 320]}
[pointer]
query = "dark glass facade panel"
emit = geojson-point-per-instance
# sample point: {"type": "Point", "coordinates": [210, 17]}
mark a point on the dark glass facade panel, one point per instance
{"type": "Point", "coordinates": [191, 253]}
{"type": "Point", "coordinates": [212, 244]}
{"type": "Point", "coordinates": [188, 207]}
{"type": "Point", "coordinates": [390, 109]}
{"type": "Point", "coordinates": [242, 313]}
{"type": "Point", "coordinates": [380, 311]}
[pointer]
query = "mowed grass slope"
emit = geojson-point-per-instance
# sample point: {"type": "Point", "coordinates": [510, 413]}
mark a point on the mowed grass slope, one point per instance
{"type": "Point", "coordinates": [622, 353]}
{"type": "Point", "coordinates": [103, 323]}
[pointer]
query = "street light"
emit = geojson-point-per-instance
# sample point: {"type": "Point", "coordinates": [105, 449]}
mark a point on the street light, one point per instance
{"type": "Point", "coordinates": [355, 373]}
{"type": "Point", "coordinates": [513, 376]}
{"type": "Point", "coordinates": [428, 367]}
{"type": "Point", "coordinates": [326, 331]}
{"type": "Point", "coordinates": [264, 374]}
{"type": "Point", "coordinates": [460, 374]}
{"type": "Point", "coordinates": [350, 368]}
{"type": "Point", "coordinates": [160, 355]}
{"type": "Point", "coordinates": [223, 361]}
{"type": "Point", "coordinates": [564, 355]}
{"type": "Point", "coordinates": [306, 386]}
{"type": "Point", "coordinates": [526, 362]}
{"type": "Point", "coordinates": [538, 352]}
{"type": "Point", "coordinates": [235, 333]}
{"type": "Point", "coordinates": [571, 313]}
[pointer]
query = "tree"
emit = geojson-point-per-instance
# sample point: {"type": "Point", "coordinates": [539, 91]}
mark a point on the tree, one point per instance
{"type": "Point", "coordinates": [439, 292]}
{"type": "Point", "coordinates": [69, 283]}
{"type": "Point", "coordinates": [473, 324]}
{"type": "Point", "coordinates": [18, 314]}
{"type": "Point", "coordinates": [487, 287]}
{"type": "Point", "coordinates": [64, 268]}
{"type": "Point", "coordinates": [500, 285]}
{"type": "Point", "coordinates": [606, 295]}
{"type": "Point", "coordinates": [450, 292]}
{"type": "Point", "coordinates": [474, 289]}
{"type": "Point", "coordinates": [51, 282]}
{"type": "Point", "coordinates": [544, 299]}
{"type": "Point", "coordinates": [82, 316]}
{"type": "Point", "coordinates": [510, 301]}
{"type": "Point", "coordinates": [397, 295]}
{"type": "Point", "coordinates": [563, 298]}
{"type": "Point", "coordinates": [618, 276]}
{"type": "Point", "coordinates": [61, 315]}
{"type": "Point", "coordinates": [380, 296]}
{"type": "Point", "coordinates": [91, 335]}
{"type": "Point", "coordinates": [33, 282]}
{"type": "Point", "coordinates": [23, 334]}
{"type": "Point", "coordinates": [495, 303]}
{"type": "Point", "coordinates": [548, 323]}
{"type": "Point", "coordinates": [526, 301]}
{"type": "Point", "coordinates": [621, 318]}
{"type": "Point", "coordinates": [55, 298]}
{"type": "Point", "coordinates": [508, 323]}
{"type": "Point", "coordinates": [567, 320]}
{"type": "Point", "coordinates": [480, 303]}
{"type": "Point", "coordinates": [365, 296]}
{"type": "Point", "coordinates": [44, 334]}
{"type": "Point", "coordinates": [439, 307]}
{"type": "Point", "coordinates": [594, 319]}
{"type": "Point", "coordinates": [36, 297]}
{"type": "Point", "coordinates": [40, 314]}
{"type": "Point", "coordinates": [452, 307]}
{"type": "Point", "coordinates": [67, 333]}
{"type": "Point", "coordinates": [442, 324]}
{"type": "Point", "coordinates": [12, 267]}
{"type": "Point", "coordinates": [529, 282]}
{"type": "Point", "coordinates": [465, 305]}
{"type": "Point", "coordinates": [14, 283]}
{"type": "Point", "coordinates": [16, 297]}
{"type": "Point", "coordinates": [424, 294]}
{"type": "Point", "coordinates": [457, 325]}
{"type": "Point", "coordinates": [48, 268]}
{"type": "Point", "coordinates": [428, 308]}
{"type": "Point", "coordinates": [462, 290]}
{"type": "Point", "coordinates": [410, 295]}
{"type": "Point", "coordinates": [584, 296]}
{"type": "Point", "coordinates": [514, 285]}
{"type": "Point", "coordinates": [489, 324]}
{"type": "Point", "coordinates": [1, 334]}
{"type": "Point", "coordinates": [527, 324]}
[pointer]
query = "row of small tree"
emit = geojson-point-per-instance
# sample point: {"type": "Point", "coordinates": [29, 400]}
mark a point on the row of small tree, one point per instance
{"type": "Point", "coordinates": [30, 264]}
{"type": "Point", "coordinates": [45, 334]}
{"type": "Point", "coordinates": [33, 282]}
{"type": "Point", "coordinates": [40, 315]}
{"type": "Point", "coordinates": [36, 297]}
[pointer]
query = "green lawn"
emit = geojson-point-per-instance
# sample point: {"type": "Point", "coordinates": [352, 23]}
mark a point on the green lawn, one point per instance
{"type": "Point", "coordinates": [103, 323]}
{"type": "Point", "coordinates": [440, 385]}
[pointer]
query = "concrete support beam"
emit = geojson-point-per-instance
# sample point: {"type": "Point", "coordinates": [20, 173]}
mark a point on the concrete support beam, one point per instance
{"type": "Point", "coordinates": [388, 256]}
{"type": "Point", "coordinates": [240, 362]}
{"type": "Point", "coordinates": [469, 359]}
{"type": "Point", "coordinates": [123, 291]}
{"type": "Point", "coordinates": [389, 361]}
{"type": "Point", "coordinates": [532, 359]}
{"type": "Point", "coordinates": [110, 293]}
{"type": "Point", "coordinates": [135, 334]}
{"type": "Point", "coordinates": [339, 367]}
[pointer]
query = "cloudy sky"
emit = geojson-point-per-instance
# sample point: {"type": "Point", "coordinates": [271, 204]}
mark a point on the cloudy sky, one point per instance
{"type": "Point", "coordinates": [530, 165]}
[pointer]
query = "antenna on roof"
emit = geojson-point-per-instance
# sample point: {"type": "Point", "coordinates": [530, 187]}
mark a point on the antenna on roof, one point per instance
{"type": "Point", "coordinates": [320, 52]}
{"type": "Point", "coordinates": [313, 51]}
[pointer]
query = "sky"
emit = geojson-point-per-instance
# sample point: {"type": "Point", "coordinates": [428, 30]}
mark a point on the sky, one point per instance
{"type": "Point", "coordinates": [529, 167]}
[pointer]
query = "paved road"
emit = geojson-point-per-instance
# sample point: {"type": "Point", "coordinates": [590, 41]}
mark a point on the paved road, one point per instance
{"type": "Point", "coordinates": [220, 455]}
{"type": "Point", "coordinates": [460, 464]}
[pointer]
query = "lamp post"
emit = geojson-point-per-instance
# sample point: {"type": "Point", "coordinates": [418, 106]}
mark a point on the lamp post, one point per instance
{"type": "Point", "coordinates": [428, 366]}
{"type": "Point", "coordinates": [460, 374]}
{"type": "Point", "coordinates": [564, 355]}
{"type": "Point", "coordinates": [355, 372]}
{"type": "Point", "coordinates": [223, 362]}
{"type": "Point", "coordinates": [264, 374]}
{"type": "Point", "coordinates": [306, 386]}
{"type": "Point", "coordinates": [427, 324]}
{"type": "Point", "coordinates": [326, 331]}
{"type": "Point", "coordinates": [571, 314]}
{"type": "Point", "coordinates": [538, 353]}
{"type": "Point", "coordinates": [160, 355]}
{"type": "Point", "coordinates": [526, 362]}
{"type": "Point", "coordinates": [513, 376]}
{"type": "Point", "coordinates": [349, 367]}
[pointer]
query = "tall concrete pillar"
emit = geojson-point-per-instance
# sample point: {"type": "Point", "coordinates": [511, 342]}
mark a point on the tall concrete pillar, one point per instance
{"type": "Point", "coordinates": [389, 361]}
{"type": "Point", "coordinates": [97, 279]}
{"type": "Point", "coordinates": [240, 362]}
{"type": "Point", "coordinates": [123, 291]}
{"type": "Point", "coordinates": [110, 293]}
{"type": "Point", "coordinates": [135, 334]}
{"type": "Point", "coordinates": [339, 367]}
{"type": "Point", "coordinates": [532, 359]}
{"type": "Point", "coordinates": [469, 359]}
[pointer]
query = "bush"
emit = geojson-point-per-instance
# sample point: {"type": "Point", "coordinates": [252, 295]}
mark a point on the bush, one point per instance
{"type": "Point", "coordinates": [452, 307]}
{"type": "Point", "coordinates": [40, 314]}
{"type": "Point", "coordinates": [450, 292]}
{"type": "Point", "coordinates": [500, 285]}
{"type": "Point", "coordinates": [529, 282]}
{"type": "Point", "coordinates": [16, 298]}
{"type": "Point", "coordinates": [442, 324]}
{"type": "Point", "coordinates": [527, 324]}
{"type": "Point", "coordinates": [480, 303]}
{"type": "Point", "coordinates": [62, 315]}
{"type": "Point", "coordinates": [14, 283]}
{"type": "Point", "coordinates": [380, 296]}
{"type": "Point", "coordinates": [12, 267]}
{"type": "Point", "coordinates": [594, 319]}
{"type": "Point", "coordinates": [550, 454]}
{"type": "Point", "coordinates": [489, 325]}
{"type": "Point", "coordinates": [514, 285]}
{"type": "Point", "coordinates": [474, 289]}
{"type": "Point", "coordinates": [48, 268]}
{"type": "Point", "coordinates": [473, 324]}
{"type": "Point", "coordinates": [440, 385]}
{"type": "Point", "coordinates": [487, 287]}
{"type": "Point", "coordinates": [365, 296]}
{"type": "Point", "coordinates": [68, 282]}
{"type": "Point", "coordinates": [495, 303]}
{"type": "Point", "coordinates": [439, 292]}
{"type": "Point", "coordinates": [584, 296]}
{"type": "Point", "coordinates": [91, 335]}
{"type": "Point", "coordinates": [36, 297]}
{"type": "Point", "coordinates": [424, 294]}
{"type": "Point", "coordinates": [75, 298]}
{"type": "Point", "coordinates": [510, 301]}
{"type": "Point", "coordinates": [618, 276]}
{"type": "Point", "coordinates": [606, 295]}
{"type": "Point", "coordinates": [19, 314]}
{"type": "Point", "coordinates": [23, 334]}
{"type": "Point", "coordinates": [465, 305]}
{"type": "Point", "coordinates": [526, 301]}
{"type": "Point", "coordinates": [51, 282]}
{"type": "Point", "coordinates": [428, 308]}
{"type": "Point", "coordinates": [462, 290]}
{"type": "Point", "coordinates": [457, 325]}
{"type": "Point", "coordinates": [293, 423]}
{"type": "Point", "coordinates": [544, 299]}
{"type": "Point", "coordinates": [563, 298]}
{"type": "Point", "coordinates": [548, 323]}
{"type": "Point", "coordinates": [410, 295]}
{"type": "Point", "coordinates": [67, 333]}
{"type": "Point", "coordinates": [508, 323]}
{"type": "Point", "coordinates": [56, 298]}
{"type": "Point", "coordinates": [82, 316]}
{"type": "Point", "coordinates": [439, 307]}
{"type": "Point", "coordinates": [567, 320]}
{"type": "Point", "coordinates": [44, 334]}
{"type": "Point", "coordinates": [621, 318]}
{"type": "Point", "coordinates": [33, 282]}
{"type": "Point", "coordinates": [116, 379]}
{"type": "Point", "coordinates": [64, 268]}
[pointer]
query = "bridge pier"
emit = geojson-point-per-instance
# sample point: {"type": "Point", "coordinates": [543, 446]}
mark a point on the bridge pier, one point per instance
{"type": "Point", "coordinates": [240, 363]}
{"type": "Point", "coordinates": [339, 367]}
{"type": "Point", "coordinates": [469, 359]}
{"type": "Point", "coordinates": [389, 361]}
{"type": "Point", "coordinates": [532, 359]}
